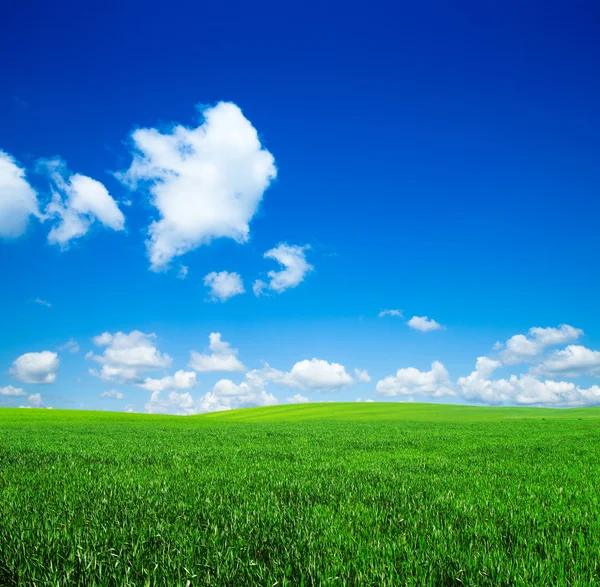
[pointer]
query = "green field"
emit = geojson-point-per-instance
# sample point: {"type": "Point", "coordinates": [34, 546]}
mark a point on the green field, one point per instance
{"type": "Point", "coordinates": [317, 494]}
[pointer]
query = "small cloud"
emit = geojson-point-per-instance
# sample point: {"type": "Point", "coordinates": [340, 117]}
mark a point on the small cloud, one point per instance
{"type": "Point", "coordinates": [295, 269]}
{"type": "Point", "coordinates": [362, 375]}
{"type": "Point", "coordinates": [113, 393]}
{"type": "Point", "coordinates": [424, 324]}
{"type": "Point", "coordinates": [10, 391]}
{"type": "Point", "coordinates": [129, 409]}
{"type": "Point", "coordinates": [297, 399]}
{"type": "Point", "coordinates": [397, 313]}
{"type": "Point", "coordinates": [71, 346]}
{"type": "Point", "coordinates": [221, 358]}
{"type": "Point", "coordinates": [42, 302]}
{"type": "Point", "coordinates": [183, 272]}
{"type": "Point", "coordinates": [35, 400]}
{"type": "Point", "coordinates": [224, 285]}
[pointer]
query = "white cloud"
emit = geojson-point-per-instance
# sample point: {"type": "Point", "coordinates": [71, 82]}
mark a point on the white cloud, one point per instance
{"type": "Point", "coordinates": [424, 324]}
{"type": "Point", "coordinates": [18, 200]}
{"type": "Point", "coordinates": [129, 409]}
{"type": "Point", "coordinates": [10, 391]}
{"type": "Point", "coordinates": [295, 268]}
{"type": "Point", "coordinates": [183, 272]}
{"type": "Point", "coordinates": [127, 355]}
{"type": "Point", "coordinates": [258, 287]}
{"type": "Point", "coordinates": [573, 361]}
{"type": "Point", "coordinates": [224, 285]}
{"type": "Point", "coordinates": [222, 357]}
{"type": "Point", "coordinates": [362, 375]}
{"type": "Point", "coordinates": [77, 202]}
{"type": "Point", "coordinates": [315, 374]}
{"type": "Point", "coordinates": [524, 348]}
{"type": "Point", "coordinates": [180, 380]}
{"type": "Point", "coordinates": [367, 401]}
{"type": "Point", "coordinates": [183, 404]}
{"type": "Point", "coordinates": [36, 367]}
{"type": "Point", "coordinates": [113, 393]}
{"type": "Point", "coordinates": [71, 346]}
{"type": "Point", "coordinates": [409, 381]}
{"type": "Point", "coordinates": [527, 390]}
{"type": "Point", "coordinates": [42, 302]}
{"type": "Point", "coordinates": [397, 313]}
{"type": "Point", "coordinates": [297, 399]}
{"type": "Point", "coordinates": [35, 400]}
{"type": "Point", "coordinates": [206, 182]}
{"type": "Point", "coordinates": [225, 395]}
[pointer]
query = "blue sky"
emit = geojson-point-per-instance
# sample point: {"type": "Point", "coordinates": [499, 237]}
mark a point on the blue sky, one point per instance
{"type": "Point", "coordinates": [439, 160]}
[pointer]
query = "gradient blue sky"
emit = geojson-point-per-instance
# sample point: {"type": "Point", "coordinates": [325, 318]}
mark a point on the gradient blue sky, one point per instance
{"type": "Point", "coordinates": [442, 159]}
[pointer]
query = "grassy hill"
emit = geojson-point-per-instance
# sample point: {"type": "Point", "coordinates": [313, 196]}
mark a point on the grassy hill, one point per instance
{"type": "Point", "coordinates": [312, 494]}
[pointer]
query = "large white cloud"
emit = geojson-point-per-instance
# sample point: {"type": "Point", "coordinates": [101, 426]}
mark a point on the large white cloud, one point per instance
{"type": "Point", "coordinates": [522, 348]}
{"type": "Point", "coordinates": [36, 367]}
{"type": "Point", "coordinates": [18, 200]}
{"type": "Point", "coordinates": [411, 381]}
{"type": "Point", "coordinates": [179, 380]}
{"type": "Point", "coordinates": [295, 269]}
{"type": "Point", "coordinates": [573, 361]}
{"type": "Point", "coordinates": [224, 285]}
{"type": "Point", "coordinates": [127, 356]}
{"type": "Point", "coordinates": [221, 358]}
{"type": "Point", "coordinates": [424, 324]}
{"type": "Point", "coordinates": [522, 389]}
{"type": "Point", "coordinates": [77, 202]}
{"type": "Point", "coordinates": [205, 182]}
{"type": "Point", "coordinates": [315, 374]}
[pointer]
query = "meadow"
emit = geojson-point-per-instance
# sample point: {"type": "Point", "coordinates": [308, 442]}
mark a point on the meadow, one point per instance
{"type": "Point", "coordinates": [317, 494]}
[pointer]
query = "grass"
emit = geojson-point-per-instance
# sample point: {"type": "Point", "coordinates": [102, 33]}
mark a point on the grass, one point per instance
{"type": "Point", "coordinates": [318, 494]}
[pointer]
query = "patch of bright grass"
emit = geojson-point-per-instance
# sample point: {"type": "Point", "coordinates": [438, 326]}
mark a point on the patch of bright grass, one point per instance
{"type": "Point", "coordinates": [316, 494]}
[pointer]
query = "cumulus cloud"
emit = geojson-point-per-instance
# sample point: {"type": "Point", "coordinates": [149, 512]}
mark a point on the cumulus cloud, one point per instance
{"type": "Point", "coordinates": [36, 367]}
{"type": "Point", "coordinates": [221, 358]}
{"type": "Point", "coordinates": [397, 313]}
{"type": "Point", "coordinates": [315, 374]}
{"type": "Point", "coordinates": [18, 200]}
{"type": "Point", "coordinates": [525, 390]}
{"type": "Point", "coordinates": [362, 375]}
{"type": "Point", "coordinates": [424, 324]}
{"type": "Point", "coordinates": [77, 202]}
{"type": "Point", "coordinates": [180, 380]}
{"type": "Point", "coordinates": [183, 272]}
{"type": "Point", "coordinates": [35, 400]}
{"type": "Point", "coordinates": [225, 395]}
{"type": "Point", "coordinates": [297, 399]}
{"type": "Point", "coordinates": [573, 361]}
{"type": "Point", "coordinates": [113, 393]}
{"type": "Point", "coordinates": [205, 182]}
{"type": "Point", "coordinates": [522, 348]}
{"type": "Point", "coordinates": [250, 392]}
{"type": "Point", "coordinates": [127, 356]}
{"type": "Point", "coordinates": [183, 404]}
{"type": "Point", "coordinates": [10, 391]}
{"type": "Point", "coordinates": [411, 381]}
{"type": "Point", "coordinates": [295, 269]}
{"type": "Point", "coordinates": [223, 285]}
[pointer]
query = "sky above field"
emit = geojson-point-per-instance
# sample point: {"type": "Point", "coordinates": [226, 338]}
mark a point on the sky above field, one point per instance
{"type": "Point", "coordinates": [211, 206]}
